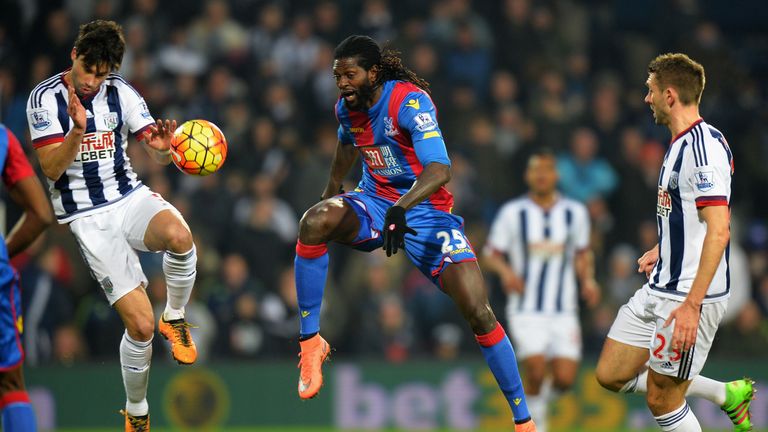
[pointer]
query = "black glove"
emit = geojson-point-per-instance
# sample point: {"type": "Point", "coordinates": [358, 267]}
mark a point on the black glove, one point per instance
{"type": "Point", "coordinates": [395, 230]}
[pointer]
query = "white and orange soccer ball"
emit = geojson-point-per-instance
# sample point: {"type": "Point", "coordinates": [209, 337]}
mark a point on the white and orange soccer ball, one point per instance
{"type": "Point", "coordinates": [198, 147]}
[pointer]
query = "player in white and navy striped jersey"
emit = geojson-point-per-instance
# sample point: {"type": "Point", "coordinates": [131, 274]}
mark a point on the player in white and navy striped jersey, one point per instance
{"type": "Point", "coordinates": [539, 246]}
{"type": "Point", "coordinates": [80, 121]}
{"type": "Point", "coordinates": [671, 322]}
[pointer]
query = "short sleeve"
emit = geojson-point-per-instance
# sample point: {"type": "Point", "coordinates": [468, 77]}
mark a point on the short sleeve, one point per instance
{"type": "Point", "coordinates": [417, 116]}
{"type": "Point", "coordinates": [42, 119]}
{"type": "Point", "coordinates": [137, 115]}
{"type": "Point", "coordinates": [501, 235]}
{"type": "Point", "coordinates": [17, 166]}
{"type": "Point", "coordinates": [345, 136]}
{"type": "Point", "coordinates": [581, 228]}
{"type": "Point", "coordinates": [709, 173]}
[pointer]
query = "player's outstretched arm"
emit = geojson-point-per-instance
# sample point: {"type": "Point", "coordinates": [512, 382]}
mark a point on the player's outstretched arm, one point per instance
{"type": "Point", "coordinates": [343, 159]}
{"type": "Point", "coordinates": [30, 195]}
{"type": "Point", "coordinates": [56, 158]}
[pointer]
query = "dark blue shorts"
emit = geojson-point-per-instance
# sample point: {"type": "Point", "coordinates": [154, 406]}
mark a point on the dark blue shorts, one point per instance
{"type": "Point", "coordinates": [439, 241]}
{"type": "Point", "coordinates": [11, 323]}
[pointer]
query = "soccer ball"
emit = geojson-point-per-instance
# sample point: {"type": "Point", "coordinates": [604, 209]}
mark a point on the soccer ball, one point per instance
{"type": "Point", "coordinates": [198, 147]}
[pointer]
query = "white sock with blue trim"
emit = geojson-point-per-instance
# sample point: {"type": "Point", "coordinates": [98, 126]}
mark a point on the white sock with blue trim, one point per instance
{"type": "Point", "coordinates": [679, 420]}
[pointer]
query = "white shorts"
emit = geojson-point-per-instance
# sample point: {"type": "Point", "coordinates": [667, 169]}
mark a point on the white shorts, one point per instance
{"type": "Point", "coordinates": [550, 335]}
{"type": "Point", "coordinates": [640, 323]}
{"type": "Point", "coordinates": [107, 241]}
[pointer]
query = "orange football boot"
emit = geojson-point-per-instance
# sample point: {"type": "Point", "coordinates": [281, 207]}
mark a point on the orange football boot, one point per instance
{"type": "Point", "coordinates": [314, 351]}
{"type": "Point", "coordinates": [177, 332]}
{"type": "Point", "coordinates": [135, 424]}
{"type": "Point", "coordinates": [528, 426]}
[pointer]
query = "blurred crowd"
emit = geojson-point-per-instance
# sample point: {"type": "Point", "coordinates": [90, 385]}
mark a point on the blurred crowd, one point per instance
{"type": "Point", "coordinates": [506, 76]}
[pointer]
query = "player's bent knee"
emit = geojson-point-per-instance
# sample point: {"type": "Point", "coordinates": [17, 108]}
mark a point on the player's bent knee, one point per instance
{"type": "Point", "coordinates": [11, 380]}
{"type": "Point", "coordinates": [607, 379]}
{"type": "Point", "coordinates": [141, 329]}
{"type": "Point", "coordinates": [316, 224]}
{"type": "Point", "coordinates": [481, 318]}
{"type": "Point", "coordinates": [179, 239]}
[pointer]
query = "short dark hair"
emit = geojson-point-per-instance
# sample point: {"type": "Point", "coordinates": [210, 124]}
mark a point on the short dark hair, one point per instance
{"type": "Point", "coordinates": [101, 42]}
{"type": "Point", "coordinates": [680, 72]}
{"type": "Point", "coordinates": [541, 152]}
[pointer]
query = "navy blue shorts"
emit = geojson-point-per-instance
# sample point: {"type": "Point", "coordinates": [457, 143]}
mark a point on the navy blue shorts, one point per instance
{"type": "Point", "coordinates": [11, 323]}
{"type": "Point", "coordinates": [439, 241]}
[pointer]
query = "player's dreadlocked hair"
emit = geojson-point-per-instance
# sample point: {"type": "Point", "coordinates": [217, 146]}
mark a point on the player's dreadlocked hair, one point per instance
{"type": "Point", "coordinates": [101, 43]}
{"type": "Point", "coordinates": [369, 54]}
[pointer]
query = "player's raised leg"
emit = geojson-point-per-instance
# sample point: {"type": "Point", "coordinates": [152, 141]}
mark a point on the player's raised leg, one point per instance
{"type": "Point", "coordinates": [135, 356]}
{"type": "Point", "coordinates": [331, 219]}
{"type": "Point", "coordinates": [463, 282]}
{"type": "Point", "coordinates": [167, 231]}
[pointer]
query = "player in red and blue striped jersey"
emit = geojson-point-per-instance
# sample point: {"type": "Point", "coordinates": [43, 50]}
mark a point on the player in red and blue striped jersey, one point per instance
{"type": "Point", "coordinates": [386, 115]}
{"type": "Point", "coordinates": [25, 189]}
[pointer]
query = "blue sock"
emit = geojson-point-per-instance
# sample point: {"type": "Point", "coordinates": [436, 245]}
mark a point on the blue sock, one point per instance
{"type": "Point", "coordinates": [311, 269]}
{"type": "Point", "coordinates": [500, 357]}
{"type": "Point", "coordinates": [17, 412]}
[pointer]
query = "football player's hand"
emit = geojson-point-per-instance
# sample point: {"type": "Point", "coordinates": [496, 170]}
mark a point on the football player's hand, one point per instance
{"type": "Point", "coordinates": [512, 283]}
{"type": "Point", "coordinates": [647, 262]}
{"type": "Point", "coordinates": [686, 317]}
{"type": "Point", "coordinates": [159, 135]}
{"type": "Point", "coordinates": [395, 230]}
{"type": "Point", "coordinates": [75, 109]}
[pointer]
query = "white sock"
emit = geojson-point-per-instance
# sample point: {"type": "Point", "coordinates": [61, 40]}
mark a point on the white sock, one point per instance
{"type": "Point", "coordinates": [537, 406]}
{"type": "Point", "coordinates": [708, 389]}
{"type": "Point", "coordinates": [135, 358]}
{"type": "Point", "coordinates": [180, 271]}
{"type": "Point", "coordinates": [680, 420]}
{"type": "Point", "coordinates": [701, 386]}
{"type": "Point", "coordinates": [638, 384]}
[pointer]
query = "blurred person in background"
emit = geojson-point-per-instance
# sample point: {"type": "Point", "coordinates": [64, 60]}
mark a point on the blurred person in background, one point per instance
{"type": "Point", "coordinates": [25, 190]}
{"type": "Point", "coordinates": [670, 323]}
{"type": "Point", "coordinates": [79, 122]}
{"type": "Point", "coordinates": [539, 248]}
{"type": "Point", "coordinates": [386, 114]}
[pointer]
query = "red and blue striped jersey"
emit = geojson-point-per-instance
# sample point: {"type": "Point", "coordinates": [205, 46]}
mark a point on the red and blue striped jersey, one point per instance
{"type": "Point", "coordinates": [15, 167]}
{"type": "Point", "coordinates": [397, 137]}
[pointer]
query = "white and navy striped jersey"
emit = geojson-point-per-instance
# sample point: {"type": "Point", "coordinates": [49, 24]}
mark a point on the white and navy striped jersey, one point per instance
{"type": "Point", "coordinates": [541, 245]}
{"type": "Point", "coordinates": [101, 172]}
{"type": "Point", "coordinates": [696, 173]}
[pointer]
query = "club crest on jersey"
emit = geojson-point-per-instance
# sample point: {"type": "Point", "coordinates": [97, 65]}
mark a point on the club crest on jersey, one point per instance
{"type": "Point", "coordinates": [110, 120]}
{"type": "Point", "coordinates": [40, 119]}
{"type": "Point", "coordinates": [704, 180]}
{"type": "Point", "coordinates": [663, 203]}
{"type": "Point", "coordinates": [424, 122]}
{"type": "Point", "coordinates": [673, 179]}
{"type": "Point", "coordinates": [389, 127]}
